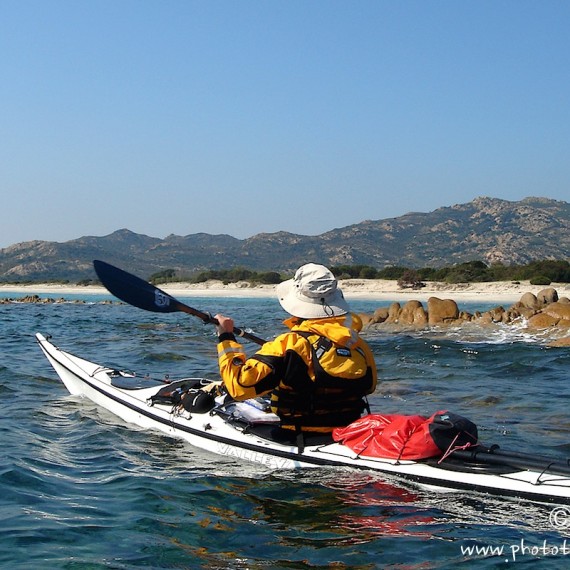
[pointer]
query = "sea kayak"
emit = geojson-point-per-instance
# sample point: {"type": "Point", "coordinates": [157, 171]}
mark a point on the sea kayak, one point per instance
{"type": "Point", "coordinates": [243, 430]}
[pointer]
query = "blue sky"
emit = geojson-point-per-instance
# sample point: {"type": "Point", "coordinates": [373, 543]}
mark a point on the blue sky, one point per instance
{"type": "Point", "coordinates": [249, 116]}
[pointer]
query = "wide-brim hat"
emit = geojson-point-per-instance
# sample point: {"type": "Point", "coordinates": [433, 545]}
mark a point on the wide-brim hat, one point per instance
{"type": "Point", "coordinates": [312, 294]}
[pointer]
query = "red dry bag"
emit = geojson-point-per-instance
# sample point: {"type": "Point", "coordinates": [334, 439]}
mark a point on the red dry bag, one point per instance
{"type": "Point", "coordinates": [395, 436]}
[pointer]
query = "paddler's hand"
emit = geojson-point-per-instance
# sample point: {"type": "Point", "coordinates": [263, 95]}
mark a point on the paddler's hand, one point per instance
{"type": "Point", "coordinates": [225, 324]}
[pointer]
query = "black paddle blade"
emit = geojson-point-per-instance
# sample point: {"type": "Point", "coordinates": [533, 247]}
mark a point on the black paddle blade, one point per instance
{"type": "Point", "coordinates": [139, 293]}
{"type": "Point", "coordinates": [134, 290]}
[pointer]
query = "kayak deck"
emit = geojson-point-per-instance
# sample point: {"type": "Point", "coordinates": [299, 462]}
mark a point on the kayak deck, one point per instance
{"type": "Point", "coordinates": [219, 432]}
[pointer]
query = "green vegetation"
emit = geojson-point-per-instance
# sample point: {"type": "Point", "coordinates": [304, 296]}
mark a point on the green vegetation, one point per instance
{"type": "Point", "coordinates": [538, 272]}
{"type": "Point", "coordinates": [224, 275]}
{"type": "Point", "coordinates": [540, 280]}
{"type": "Point", "coordinates": [357, 272]}
{"type": "Point", "coordinates": [410, 279]}
{"type": "Point", "coordinates": [166, 276]}
{"type": "Point", "coordinates": [546, 271]}
{"type": "Point", "coordinates": [35, 282]}
{"type": "Point", "coordinates": [239, 274]}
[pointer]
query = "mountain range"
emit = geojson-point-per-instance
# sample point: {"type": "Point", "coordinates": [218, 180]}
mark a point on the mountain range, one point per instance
{"type": "Point", "coordinates": [486, 229]}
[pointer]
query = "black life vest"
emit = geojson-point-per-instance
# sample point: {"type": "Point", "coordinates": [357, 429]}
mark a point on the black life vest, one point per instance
{"type": "Point", "coordinates": [335, 398]}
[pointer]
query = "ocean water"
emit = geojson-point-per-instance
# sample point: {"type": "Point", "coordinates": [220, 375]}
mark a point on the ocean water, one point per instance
{"type": "Point", "coordinates": [80, 489]}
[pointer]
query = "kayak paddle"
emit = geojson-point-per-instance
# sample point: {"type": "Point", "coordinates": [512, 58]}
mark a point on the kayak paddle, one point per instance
{"type": "Point", "coordinates": [139, 293]}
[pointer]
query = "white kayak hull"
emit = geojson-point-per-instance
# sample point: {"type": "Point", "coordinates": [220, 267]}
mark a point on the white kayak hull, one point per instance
{"type": "Point", "coordinates": [211, 432]}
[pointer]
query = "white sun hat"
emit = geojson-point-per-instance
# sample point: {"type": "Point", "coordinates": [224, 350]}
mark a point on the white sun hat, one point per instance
{"type": "Point", "coordinates": [312, 294]}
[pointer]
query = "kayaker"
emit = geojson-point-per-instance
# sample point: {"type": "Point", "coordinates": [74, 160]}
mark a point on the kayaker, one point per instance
{"type": "Point", "coordinates": [319, 372]}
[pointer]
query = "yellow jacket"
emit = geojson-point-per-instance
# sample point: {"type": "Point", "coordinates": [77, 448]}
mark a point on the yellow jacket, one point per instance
{"type": "Point", "coordinates": [315, 385]}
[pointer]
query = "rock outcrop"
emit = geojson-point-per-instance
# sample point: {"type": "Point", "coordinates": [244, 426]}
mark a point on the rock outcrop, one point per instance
{"type": "Point", "coordinates": [33, 299]}
{"type": "Point", "coordinates": [36, 299]}
{"type": "Point", "coordinates": [544, 310]}
{"type": "Point", "coordinates": [442, 311]}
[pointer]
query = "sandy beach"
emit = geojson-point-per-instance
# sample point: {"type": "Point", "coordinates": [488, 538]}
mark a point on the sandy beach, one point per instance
{"type": "Point", "coordinates": [367, 289]}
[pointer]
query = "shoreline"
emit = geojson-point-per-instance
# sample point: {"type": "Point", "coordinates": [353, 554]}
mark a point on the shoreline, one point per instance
{"type": "Point", "coordinates": [361, 289]}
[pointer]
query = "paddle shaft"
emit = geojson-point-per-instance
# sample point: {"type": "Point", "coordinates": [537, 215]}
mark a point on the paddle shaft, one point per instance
{"type": "Point", "coordinates": [142, 294]}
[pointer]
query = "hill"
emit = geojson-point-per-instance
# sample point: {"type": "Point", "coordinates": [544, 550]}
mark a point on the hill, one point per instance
{"type": "Point", "coordinates": [487, 229]}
